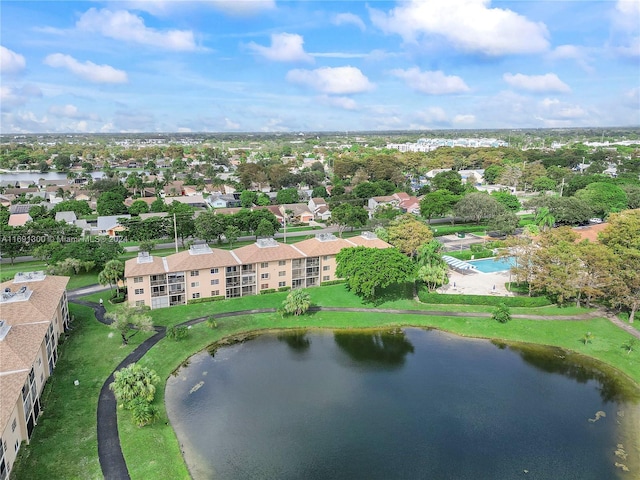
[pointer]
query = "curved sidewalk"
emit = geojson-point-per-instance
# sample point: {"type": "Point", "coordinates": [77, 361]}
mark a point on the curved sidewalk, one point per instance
{"type": "Point", "coordinates": [112, 462]}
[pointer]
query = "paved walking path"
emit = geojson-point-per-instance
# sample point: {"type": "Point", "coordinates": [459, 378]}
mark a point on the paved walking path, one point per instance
{"type": "Point", "coordinates": [112, 462]}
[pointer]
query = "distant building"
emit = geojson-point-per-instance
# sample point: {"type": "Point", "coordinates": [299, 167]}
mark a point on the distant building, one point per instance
{"type": "Point", "coordinates": [203, 272]}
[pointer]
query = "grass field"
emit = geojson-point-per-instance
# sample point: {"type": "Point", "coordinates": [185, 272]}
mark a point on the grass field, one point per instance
{"type": "Point", "coordinates": [64, 443]}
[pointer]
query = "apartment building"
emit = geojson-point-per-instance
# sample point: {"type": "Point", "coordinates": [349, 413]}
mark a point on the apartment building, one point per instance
{"type": "Point", "coordinates": [203, 271]}
{"type": "Point", "coordinates": [33, 315]}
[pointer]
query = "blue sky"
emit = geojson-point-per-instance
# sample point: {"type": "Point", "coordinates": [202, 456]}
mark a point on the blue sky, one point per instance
{"type": "Point", "coordinates": [239, 66]}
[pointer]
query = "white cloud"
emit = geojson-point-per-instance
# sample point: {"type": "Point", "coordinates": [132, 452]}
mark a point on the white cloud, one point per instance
{"type": "Point", "coordinates": [554, 109]}
{"type": "Point", "coordinates": [349, 19]}
{"type": "Point", "coordinates": [626, 28]}
{"type": "Point", "coordinates": [431, 82]}
{"type": "Point", "coordinates": [464, 119]}
{"type": "Point", "coordinates": [433, 115]}
{"type": "Point", "coordinates": [71, 111]}
{"type": "Point", "coordinates": [285, 47]}
{"type": "Point", "coordinates": [163, 8]}
{"type": "Point", "coordinates": [10, 61]}
{"type": "Point", "coordinates": [87, 70]}
{"type": "Point", "coordinates": [231, 125]}
{"type": "Point", "coordinates": [548, 82]}
{"type": "Point", "coordinates": [469, 25]}
{"type": "Point", "coordinates": [572, 52]}
{"type": "Point", "coordinates": [345, 103]}
{"type": "Point", "coordinates": [634, 96]}
{"type": "Point", "coordinates": [11, 97]}
{"type": "Point", "coordinates": [332, 81]}
{"type": "Point", "coordinates": [122, 25]}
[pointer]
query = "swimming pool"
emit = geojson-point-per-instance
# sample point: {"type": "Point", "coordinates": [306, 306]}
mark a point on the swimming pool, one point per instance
{"type": "Point", "coordinates": [491, 265]}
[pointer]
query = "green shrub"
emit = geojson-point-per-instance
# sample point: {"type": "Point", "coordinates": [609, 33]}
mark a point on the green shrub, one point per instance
{"type": "Point", "coordinates": [467, 254]}
{"type": "Point", "coordinates": [332, 282]}
{"type": "Point", "coordinates": [211, 322]}
{"type": "Point", "coordinates": [455, 299]}
{"type": "Point", "coordinates": [501, 313]}
{"type": "Point", "coordinates": [267, 290]}
{"type": "Point", "coordinates": [205, 299]}
{"type": "Point", "coordinates": [284, 289]}
{"type": "Point", "coordinates": [177, 332]}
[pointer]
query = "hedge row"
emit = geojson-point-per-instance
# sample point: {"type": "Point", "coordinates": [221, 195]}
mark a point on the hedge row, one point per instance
{"type": "Point", "coordinates": [457, 299]}
{"type": "Point", "coordinates": [332, 282]}
{"type": "Point", "coordinates": [205, 299]}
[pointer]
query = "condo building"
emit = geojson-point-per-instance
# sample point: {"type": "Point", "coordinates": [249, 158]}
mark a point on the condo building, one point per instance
{"type": "Point", "coordinates": [33, 315]}
{"type": "Point", "coordinates": [266, 265]}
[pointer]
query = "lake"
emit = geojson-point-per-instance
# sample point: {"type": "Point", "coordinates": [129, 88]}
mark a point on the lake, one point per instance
{"type": "Point", "coordinates": [399, 404]}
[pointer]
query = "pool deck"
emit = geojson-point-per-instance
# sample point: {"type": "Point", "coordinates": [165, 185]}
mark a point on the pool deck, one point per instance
{"type": "Point", "coordinates": [477, 283]}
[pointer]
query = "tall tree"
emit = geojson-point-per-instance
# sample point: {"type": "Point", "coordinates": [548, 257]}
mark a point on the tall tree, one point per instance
{"type": "Point", "coordinates": [407, 233]}
{"type": "Point", "coordinates": [432, 269]}
{"type": "Point", "coordinates": [368, 269]}
{"type": "Point", "coordinates": [129, 321]}
{"type": "Point", "coordinates": [438, 203]}
{"type": "Point", "coordinates": [111, 274]}
{"type": "Point", "coordinates": [478, 206]}
{"type": "Point", "coordinates": [111, 203]}
{"type": "Point", "coordinates": [346, 215]}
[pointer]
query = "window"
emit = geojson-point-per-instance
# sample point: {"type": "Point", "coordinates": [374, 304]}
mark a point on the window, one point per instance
{"type": "Point", "coordinates": [215, 293]}
{"type": "Point", "coordinates": [325, 258]}
{"type": "Point", "coordinates": [137, 279]}
{"type": "Point", "coordinates": [194, 273]}
{"type": "Point", "coordinates": [282, 273]}
{"type": "Point", "coordinates": [195, 295]}
{"type": "Point", "coordinates": [195, 284]}
{"type": "Point", "coordinates": [215, 281]}
{"type": "Point", "coordinates": [282, 262]}
{"type": "Point", "coordinates": [214, 271]}
{"type": "Point", "coordinates": [326, 267]}
{"type": "Point", "coordinates": [325, 278]}
{"type": "Point", "coordinates": [282, 284]}
{"type": "Point", "coordinates": [13, 425]}
{"type": "Point", "coordinates": [139, 303]}
{"type": "Point", "coordinates": [17, 445]}
{"type": "Point", "coordinates": [264, 265]}
{"type": "Point", "coordinates": [139, 291]}
{"type": "Point", "coordinates": [264, 275]}
{"type": "Point", "coordinates": [264, 286]}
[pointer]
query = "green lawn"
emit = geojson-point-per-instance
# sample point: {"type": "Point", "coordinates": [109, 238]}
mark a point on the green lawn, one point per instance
{"type": "Point", "coordinates": [64, 443]}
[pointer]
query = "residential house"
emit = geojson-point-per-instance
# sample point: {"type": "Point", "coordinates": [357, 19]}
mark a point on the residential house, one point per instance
{"type": "Point", "coordinates": [320, 208]}
{"type": "Point", "coordinates": [400, 200]}
{"type": "Point", "coordinates": [296, 212]}
{"type": "Point", "coordinates": [110, 225]}
{"type": "Point", "coordinates": [34, 314]}
{"type": "Point", "coordinates": [223, 200]}
{"type": "Point", "coordinates": [196, 201]}
{"type": "Point", "coordinates": [203, 272]}
{"type": "Point", "coordinates": [173, 189]}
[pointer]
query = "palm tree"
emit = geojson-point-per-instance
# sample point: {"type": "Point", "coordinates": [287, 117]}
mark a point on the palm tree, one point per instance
{"type": "Point", "coordinates": [297, 302]}
{"type": "Point", "coordinates": [134, 382]}
{"type": "Point", "coordinates": [111, 274]}
{"type": "Point", "coordinates": [544, 219]}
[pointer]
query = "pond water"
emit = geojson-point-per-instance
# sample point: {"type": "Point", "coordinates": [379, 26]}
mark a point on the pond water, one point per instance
{"type": "Point", "coordinates": [398, 404]}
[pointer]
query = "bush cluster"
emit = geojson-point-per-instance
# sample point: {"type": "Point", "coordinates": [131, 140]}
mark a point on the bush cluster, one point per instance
{"type": "Point", "coordinates": [205, 299]}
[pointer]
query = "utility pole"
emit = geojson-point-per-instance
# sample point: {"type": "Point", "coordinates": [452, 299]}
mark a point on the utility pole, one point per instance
{"type": "Point", "coordinates": [175, 232]}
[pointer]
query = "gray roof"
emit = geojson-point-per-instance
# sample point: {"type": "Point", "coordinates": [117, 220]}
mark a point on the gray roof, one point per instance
{"type": "Point", "coordinates": [69, 217]}
{"type": "Point", "coordinates": [109, 221]}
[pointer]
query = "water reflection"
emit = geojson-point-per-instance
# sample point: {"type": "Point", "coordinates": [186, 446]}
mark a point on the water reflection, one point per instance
{"type": "Point", "coordinates": [580, 368]}
{"type": "Point", "coordinates": [296, 340]}
{"type": "Point", "coordinates": [382, 348]}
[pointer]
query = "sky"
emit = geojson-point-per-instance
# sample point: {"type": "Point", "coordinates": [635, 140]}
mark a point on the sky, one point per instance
{"type": "Point", "coordinates": [289, 66]}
